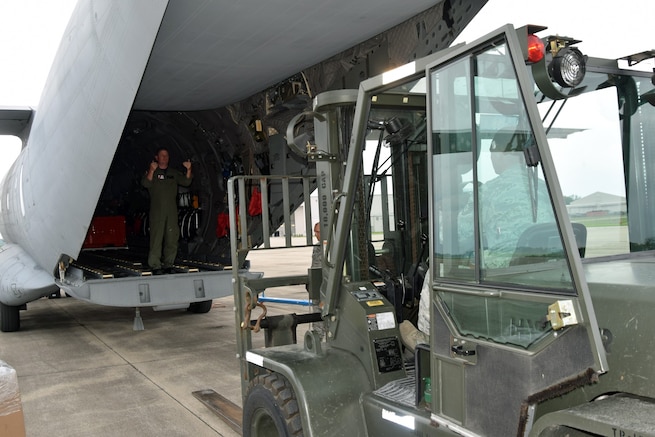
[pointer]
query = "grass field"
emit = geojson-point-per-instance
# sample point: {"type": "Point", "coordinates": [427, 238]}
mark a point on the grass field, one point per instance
{"type": "Point", "coordinates": [601, 221]}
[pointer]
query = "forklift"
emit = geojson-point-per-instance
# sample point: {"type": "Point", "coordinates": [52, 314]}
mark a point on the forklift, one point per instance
{"type": "Point", "coordinates": [506, 218]}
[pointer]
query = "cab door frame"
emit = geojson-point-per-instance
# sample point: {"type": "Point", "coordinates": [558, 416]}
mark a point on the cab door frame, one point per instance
{"type": "Point", "coordinates": [478, 384]}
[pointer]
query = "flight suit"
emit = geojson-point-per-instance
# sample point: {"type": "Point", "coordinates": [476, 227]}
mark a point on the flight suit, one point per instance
{"type": "Point", "coordinates": [164, 227]}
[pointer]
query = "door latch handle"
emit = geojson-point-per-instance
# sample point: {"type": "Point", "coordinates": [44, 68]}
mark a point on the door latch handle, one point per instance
{"type": "Point", "coordinates": [459, 350]}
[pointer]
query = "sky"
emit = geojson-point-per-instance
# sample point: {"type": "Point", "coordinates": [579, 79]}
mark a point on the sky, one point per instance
{"type": "Point", "coordinates": [30, 31]}
{"type": "Point", "coordinates": [607, 28]}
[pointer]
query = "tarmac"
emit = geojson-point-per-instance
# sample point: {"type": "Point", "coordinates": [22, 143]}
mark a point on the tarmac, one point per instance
{"type": "Point", "coordinates": [84, 371]}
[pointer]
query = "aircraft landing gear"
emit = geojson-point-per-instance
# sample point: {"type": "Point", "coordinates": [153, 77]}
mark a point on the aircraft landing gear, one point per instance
{"type": "Point", "coordinates": [201, 307]}
{"type": "Point", "coordinates": [9, 318]}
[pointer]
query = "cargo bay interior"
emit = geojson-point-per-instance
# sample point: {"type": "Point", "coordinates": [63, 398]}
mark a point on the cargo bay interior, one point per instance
{"type": "Point", "coordinates": [243, 138]}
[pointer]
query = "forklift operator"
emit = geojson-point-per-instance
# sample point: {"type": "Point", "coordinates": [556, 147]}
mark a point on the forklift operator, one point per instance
{"type": "Point", "coordinates": [505, 202]}
{"type": "Point", "coordinates": [506, 199]}
{"type": "Point", "coordinates": [161, 182]}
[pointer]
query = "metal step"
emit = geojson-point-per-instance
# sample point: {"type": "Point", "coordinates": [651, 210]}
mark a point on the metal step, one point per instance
{"type": "Point", "coordinates": [402, 391]}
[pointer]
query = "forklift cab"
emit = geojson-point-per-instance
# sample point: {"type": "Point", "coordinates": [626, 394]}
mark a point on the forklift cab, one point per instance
{"type": "Point", "coordinates": [511, 319]}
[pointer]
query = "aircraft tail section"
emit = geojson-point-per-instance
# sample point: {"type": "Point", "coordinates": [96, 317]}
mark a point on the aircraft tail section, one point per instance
{"type": "Point", "coordinates": [50, 194]}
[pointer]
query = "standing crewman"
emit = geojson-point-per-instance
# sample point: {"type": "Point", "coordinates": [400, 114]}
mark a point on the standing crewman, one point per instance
{"type": "Point", "coordinates": [161, 182]}
{"type": "Point", "coordinates": [317, 253]}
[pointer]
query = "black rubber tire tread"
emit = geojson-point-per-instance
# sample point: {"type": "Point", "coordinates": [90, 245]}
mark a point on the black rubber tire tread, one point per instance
{"type": "Point", "coordinates": [272, 395]}
{"type": "Point", "coordinates": [201, 307]}
{"type": "Point", "coordinates": [9, 318]}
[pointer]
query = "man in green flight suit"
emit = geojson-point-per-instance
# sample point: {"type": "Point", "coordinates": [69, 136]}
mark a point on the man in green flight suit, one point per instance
{"type": "Point", "coordinates": [161, 182]}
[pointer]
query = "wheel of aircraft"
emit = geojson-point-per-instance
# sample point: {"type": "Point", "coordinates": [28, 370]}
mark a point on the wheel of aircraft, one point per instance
{"type": "Point", "coordinates": [201, 307]}
{"type": "Point", "coordinates": [271, 408]}
{"type": "Point", "coordinates": [9, 318]}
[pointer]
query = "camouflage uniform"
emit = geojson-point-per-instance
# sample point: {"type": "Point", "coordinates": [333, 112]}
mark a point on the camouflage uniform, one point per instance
{"type": "Point", "coordinates": [506, 211]}
{"type": "Point", "coordinates": [164, 227]}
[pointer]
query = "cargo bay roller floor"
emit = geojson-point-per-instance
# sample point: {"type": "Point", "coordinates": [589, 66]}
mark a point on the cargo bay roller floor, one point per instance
{"type": "Point", "coordinates": [83, 370]}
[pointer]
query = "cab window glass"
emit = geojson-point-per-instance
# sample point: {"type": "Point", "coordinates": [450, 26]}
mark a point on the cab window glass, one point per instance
{"type": "Point", "coordinates": [488, 196]}
{"type": "Point", "coordinates": [602, 145]}
{"type": "Point", "coordinates": [494, 220]}
{"type": "Point", "coordinates": [452, 175]}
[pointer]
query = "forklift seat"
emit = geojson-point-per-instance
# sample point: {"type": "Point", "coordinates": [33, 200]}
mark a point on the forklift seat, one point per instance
{"type": "Point", "coordinates": [541, 242]}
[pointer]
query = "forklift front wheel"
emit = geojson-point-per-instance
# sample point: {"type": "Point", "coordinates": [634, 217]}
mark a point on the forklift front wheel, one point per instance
{"type": "Point", "coordinates": [271, 408]}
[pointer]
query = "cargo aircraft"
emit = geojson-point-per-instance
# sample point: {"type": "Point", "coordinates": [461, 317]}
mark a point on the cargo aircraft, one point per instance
{"type": "Point", "coordinates": [215, 82]}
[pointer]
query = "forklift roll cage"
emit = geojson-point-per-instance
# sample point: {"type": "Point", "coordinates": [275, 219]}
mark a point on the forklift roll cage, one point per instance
{"type": "Point", "coordinates": [503, 339]}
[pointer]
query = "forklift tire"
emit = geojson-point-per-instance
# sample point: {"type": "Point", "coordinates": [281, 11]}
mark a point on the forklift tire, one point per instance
{"type": "Point", "coordinates": [9, 318]}
{"type": "Point", "coordinates": [200, 307]}
{"type": "Point", "coordinates": [271, 408]}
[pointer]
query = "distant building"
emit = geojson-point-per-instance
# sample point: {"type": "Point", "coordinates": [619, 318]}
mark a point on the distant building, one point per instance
{"type": "Point", "coordinates": [598, 204]}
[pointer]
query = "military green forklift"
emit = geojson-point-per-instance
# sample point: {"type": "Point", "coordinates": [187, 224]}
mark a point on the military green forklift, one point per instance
{"type": "Point", "coordinates": [508, 212]}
